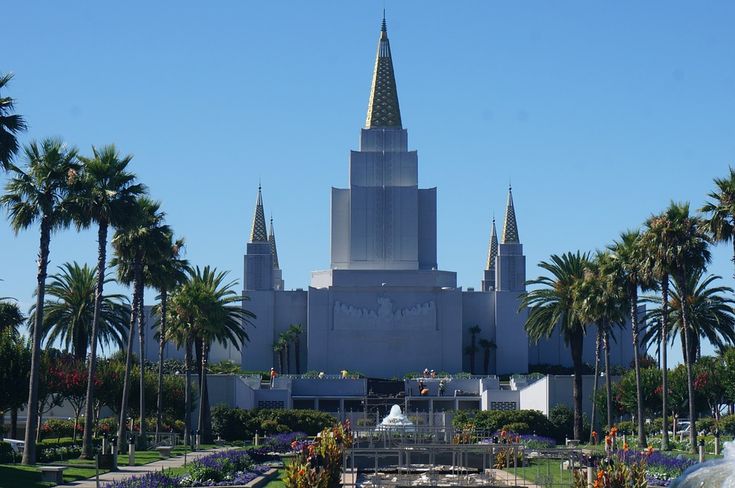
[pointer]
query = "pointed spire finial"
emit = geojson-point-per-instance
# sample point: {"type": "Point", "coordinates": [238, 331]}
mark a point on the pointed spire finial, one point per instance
{"type": "Point", "coordinates": [510, 227]}
{"type": "Point", "coordinates": [258, 232]}
{"type": "Point", "coordinates": [383, 108]}
{"type": "Point", "coordinates": [272, 241]}
{"type": "Point", "coordinates": [492, 251]}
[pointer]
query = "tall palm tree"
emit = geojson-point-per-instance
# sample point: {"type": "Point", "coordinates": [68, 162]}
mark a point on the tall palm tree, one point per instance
{"type": "Point", "coordinates": [721, 211]}
{"type": "Point", "coordinates": [10, 125]}
{"type": "Point", "coordinates": [285, 338]}
{"type": "Point", "coordinates": [68, 313]}
{"type": "Point", "coordinates": [552, 306]}
{"type": "Point", "coordinates": [139, 244]}
{"type": "Point", "coordinates": [658, 252]}
{"type": "Point", "coordinates": [218, 316]}
{"type": "Point", "coordinates": [627, 258]}
{"type": "Point", "coordinates": [472, 348]}
{"type": "Point", "coordinates": [105, 196]}
{"type": "Point", "coordinates": [40, 194]}
{"type": "Point", "coordinates": [296, 330]}
{"type": "Point", "coordinates": [165, 274]}
{"type": "Point", "coordinates": [709, 311]}
{"type": "Point", "coordinates": [690, 252]}
{"type": "Point", "coordinates": [598, 299]}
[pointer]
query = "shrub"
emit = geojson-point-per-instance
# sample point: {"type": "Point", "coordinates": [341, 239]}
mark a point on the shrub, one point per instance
{"type": "Point", "coordinates": [518, 428]}
{"type": "Point", "coordinates": [7, 455]}
{"type": "Point", "coordinates": [281, 443]}
{"type": "Point", "coordinates": [562, 418]}
{"type": "Point", "coordinates": [627, 427]}
{"type": "Point", "coordinates": [59, 428]}
{"type": "Point", "coordinates": [319, 463]}
{"type": "Point", "coordinates": [706, 424]}
{"type": "Point", "coordinates": [727, 425]}
{"type": "Point", "coordinates": [532, 421]}
{"type": "Point", "coordinates": [238, 424]}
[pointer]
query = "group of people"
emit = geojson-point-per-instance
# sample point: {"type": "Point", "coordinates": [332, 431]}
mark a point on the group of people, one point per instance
{"type": "Point", "coordinates": [429, 373]}
{"type": "Point", "coordinates": [424, 391]}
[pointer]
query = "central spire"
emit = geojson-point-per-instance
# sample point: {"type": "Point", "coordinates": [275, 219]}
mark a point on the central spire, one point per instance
{"type": "Point", "coordinates": [383, 109]}
{"type": "Point", "coordinates": [510, 227]}
{"type": "Point", "coordinates": [258, 232]}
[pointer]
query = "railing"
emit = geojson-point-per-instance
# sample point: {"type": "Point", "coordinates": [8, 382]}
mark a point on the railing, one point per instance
{"type": "Point", "coordinates": [432, 464]}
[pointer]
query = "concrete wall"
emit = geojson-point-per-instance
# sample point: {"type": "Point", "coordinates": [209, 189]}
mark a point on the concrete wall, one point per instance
{"type": "Point", "coordinates": [535, 396]}
{"type": "Point", "coordinates": [328, 387]}
{"type": "Point", "coordinates": [477, 309]}
{"type": "Point", "coordinates": [501, 400]}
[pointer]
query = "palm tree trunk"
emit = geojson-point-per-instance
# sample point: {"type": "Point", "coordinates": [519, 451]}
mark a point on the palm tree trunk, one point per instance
{"type": "Point", "coordinates": [664, 364]}
{"type": "Point", "coordinates": [486, 360]}
{"type": "Point", "coordinates": [636, 361]}
{"type": "Point", "coordinates": [29, 452]}
{"type": "Point", "coordinates": [688, 361]}
{"type": "Point", "coordinates": [161, 345]}
{"type": "Point", "coordinates": [14, 423]}
{"type": "Point", "coordinates": [575, 344]}
{"type": "Point", "coordinates": [280, 361]}
{"type": "Point", "coordinates": [141, 333]}
{"type": "Point", "coordinates": [187, 392]}
{"type": "Point", "coordinates": [297, 353]}
{"type": "Point", "coordinates": [128, 366]}
{"type": "Point", "coordinates": [608, 383]}
{"type": "Point", "coordinates": [203, 391]}
{"type": "Point", "coordinates": [288, 359]}
{"type": "Point", "coordinates": [594, 384]}
{"type": "Point", "coordinates": [92, 367]}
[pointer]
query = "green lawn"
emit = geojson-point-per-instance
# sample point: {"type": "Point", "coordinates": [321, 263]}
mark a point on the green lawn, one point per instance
{"type": "Point", "coordinates": [543, 472]}
{"type": "Point", "coordinates": [19, 476]}
{"type": "Point", "coordinates": [278, 482]}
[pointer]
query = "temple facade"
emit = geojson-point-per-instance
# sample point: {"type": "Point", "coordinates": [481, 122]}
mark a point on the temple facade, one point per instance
{"type": "Point", "coordinates": [384, 308]}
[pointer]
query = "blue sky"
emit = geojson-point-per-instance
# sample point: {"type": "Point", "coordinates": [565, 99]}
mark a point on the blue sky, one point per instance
{"type": "Point", "coordinates": [599, 114]}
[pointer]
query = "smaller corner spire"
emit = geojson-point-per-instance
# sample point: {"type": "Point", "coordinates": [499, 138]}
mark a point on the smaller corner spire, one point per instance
{"type": "Point", "coordinates": [510, 226]}
{"type": "Point", "coordinates": [272, 242]}
{"type": "Point", "coordinates": [258, 232]}
{"type": "Point", "coordinates": [492, 251]}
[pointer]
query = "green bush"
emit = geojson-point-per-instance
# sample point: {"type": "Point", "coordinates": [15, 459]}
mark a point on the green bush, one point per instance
{"type": "Point", "coordinates": [534, 422]}
{"type": "Point", "coordinates": [627, 427]}
{"type": "Point", "coordinates": [727, 425]}
{"type": "Point", "coordinates": [562, 418]}
{"type": "Point", "coordinates": [706, 424]}
{"type": "Point", "coordinates": [238, 424]}
{"type": "Point", "coordinates": [7, 455]}
{"type": "Point", "coordinates": [518, 428]}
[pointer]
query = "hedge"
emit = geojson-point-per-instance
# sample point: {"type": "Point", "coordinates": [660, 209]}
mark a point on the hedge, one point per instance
{"type": "Point", "coordinates": [233, 424]}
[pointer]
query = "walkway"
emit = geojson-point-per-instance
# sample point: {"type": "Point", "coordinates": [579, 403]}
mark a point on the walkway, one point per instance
{"type": "Point", "coordinates": [128, 471]}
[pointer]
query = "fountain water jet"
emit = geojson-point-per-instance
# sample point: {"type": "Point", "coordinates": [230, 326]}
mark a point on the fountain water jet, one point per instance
{"type": "Point", "coordinates": [397, 421]}
{"type": "Point", "coordinates": [719, 473]}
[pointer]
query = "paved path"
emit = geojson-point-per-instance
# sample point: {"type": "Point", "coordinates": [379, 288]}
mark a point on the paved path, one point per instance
{"type": "Point", "coordinates": [128, 471]}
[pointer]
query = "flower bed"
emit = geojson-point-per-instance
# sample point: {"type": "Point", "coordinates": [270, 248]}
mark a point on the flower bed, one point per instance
{"type": "Point", "coordinates": [283, 443]}
{"type": "Point", "coordinates": [225, 468]}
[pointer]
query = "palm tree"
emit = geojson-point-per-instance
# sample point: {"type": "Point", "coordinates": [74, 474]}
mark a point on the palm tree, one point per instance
{"type": "Point", "coordinates": [690, 252]}
{"type": "Point", "coordinates": [295, 331]}
{"type": "Point", "coordinates": [598, 299]}
{"type": "Point", "coordinates": [10, 125]}
{"type": "Point", "coordinates": [139, 244]}
{"type": "Point", "coordinates": [627, 258]}
{"type": "Point", "coordinates": [658, 250]}
{"type": "Point", "coordinates": [552, 306]}
{"type": "Point", "coordinates": [472, 348]}
{"type": "Point", "coordinates": [10, 317]}
{"type": "Point", "coordinates": [486, 346]}
{"type": "Point", "coordinates": [709, 311]}
{"type": "Point", "coordinates": [285, 338]}
{"type": "Point", "coordinates": [218, 316]}
{"type": "Point", "coordinates": [165, 275]}
{"type": "Point", "coordinates": [721, 209]}
{"type": "Point", "coordinates": [278, 347]}
{"type": "Point", "coordinates": [106, 196]}
{"type": "Point", "coordinates": [40, 194]}
{"type": "Point", "coordinates": [68, 314]}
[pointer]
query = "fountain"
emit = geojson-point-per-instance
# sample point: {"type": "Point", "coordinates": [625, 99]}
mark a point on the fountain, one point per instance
{"type": "Point", "coordinates": [719, 473]}
{"type": "Point", "coordinates": [396, 421]}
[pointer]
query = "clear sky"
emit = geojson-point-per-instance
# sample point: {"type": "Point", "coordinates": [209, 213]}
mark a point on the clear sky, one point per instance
{"type": "Point", "coordinates": [599, 113]}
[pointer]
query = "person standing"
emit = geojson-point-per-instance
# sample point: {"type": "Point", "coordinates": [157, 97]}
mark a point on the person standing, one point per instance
{"type": "Point", "coordinates": [273, 377]}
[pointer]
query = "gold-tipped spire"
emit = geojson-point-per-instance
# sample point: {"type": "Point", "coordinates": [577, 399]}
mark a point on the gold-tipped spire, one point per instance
{"type": "Point", "coordinates": [272, 241]}
{"type": "Point", "coordinates": [258, 232]}
{"type": "Point", "coordinates": [510, 227]}
{"type": "Point", "coordinates": [492, 251]}
{"type": "Point", "coordinates": [383, 109]}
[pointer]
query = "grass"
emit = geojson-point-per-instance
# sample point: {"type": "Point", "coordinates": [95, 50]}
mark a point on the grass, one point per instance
{"type": "Point", "coordinates": [20, 476]}
{"type": "Point", "coordinates": [543, 472]}
{"type": "Point", "coordinates": [279, 481]}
